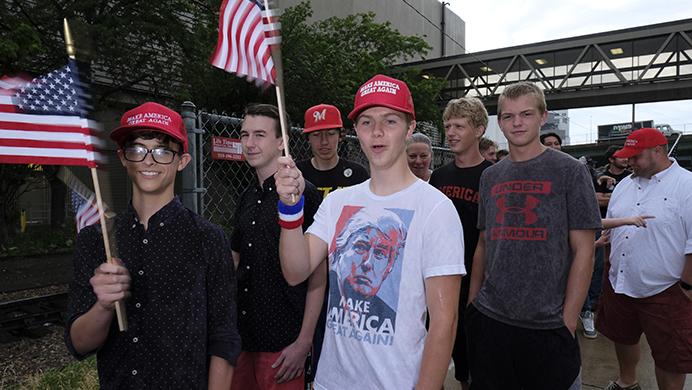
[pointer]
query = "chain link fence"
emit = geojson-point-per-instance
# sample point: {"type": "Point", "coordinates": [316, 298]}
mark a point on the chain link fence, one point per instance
{"type": "Point", "coordinates": [223, 181]}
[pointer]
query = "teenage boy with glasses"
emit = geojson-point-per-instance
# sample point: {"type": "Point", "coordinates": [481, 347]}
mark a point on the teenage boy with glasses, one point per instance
{"type": "Point", "coordinates": [173, 274]}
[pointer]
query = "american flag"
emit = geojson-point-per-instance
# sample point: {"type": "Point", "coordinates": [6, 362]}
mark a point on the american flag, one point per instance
{"type": "Point", "coordinates": [86, 211]}
{"type": "Point", "coordinates": [246, 33]}
{"type": "Point", "coordinates": [43, 121]}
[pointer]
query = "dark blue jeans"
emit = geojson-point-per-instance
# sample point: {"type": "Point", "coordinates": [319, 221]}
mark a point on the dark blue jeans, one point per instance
{"type": "Point", "coordinates": [596, 279]}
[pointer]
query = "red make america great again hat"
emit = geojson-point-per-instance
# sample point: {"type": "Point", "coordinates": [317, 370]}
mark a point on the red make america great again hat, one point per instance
{"type": "Point", "coordinates": [639, 140]}
{"type": "Point", "coordinates": [151, 116]}
{"type": "Point", "coordinates": [383, 91]}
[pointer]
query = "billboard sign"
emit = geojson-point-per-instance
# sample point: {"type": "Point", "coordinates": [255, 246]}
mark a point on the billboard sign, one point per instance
{"type": "Point", "coordinates": [621, 130]}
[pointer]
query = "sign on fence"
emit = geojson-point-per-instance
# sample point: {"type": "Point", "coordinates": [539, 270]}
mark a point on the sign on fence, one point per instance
{"type": "Point", "coordinates": [224, 148]}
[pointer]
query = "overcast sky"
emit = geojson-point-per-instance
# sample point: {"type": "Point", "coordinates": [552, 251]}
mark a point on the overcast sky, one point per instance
{"type": "Point", "coordinates": [501, 23]}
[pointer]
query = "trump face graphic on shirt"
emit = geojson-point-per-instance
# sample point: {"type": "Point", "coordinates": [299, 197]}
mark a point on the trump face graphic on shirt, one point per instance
{"type": "Point", "coordinates": [366, 250]}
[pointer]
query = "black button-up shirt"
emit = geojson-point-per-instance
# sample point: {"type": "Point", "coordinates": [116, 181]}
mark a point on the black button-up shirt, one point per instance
{"type": "Point", "coordinates": [181, 310]}
{"type": "Point", "coordinates": [270, 311]}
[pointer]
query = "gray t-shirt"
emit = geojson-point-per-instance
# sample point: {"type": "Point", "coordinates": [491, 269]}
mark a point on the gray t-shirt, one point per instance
{"type": "Point", "coordinates": [527, 209]}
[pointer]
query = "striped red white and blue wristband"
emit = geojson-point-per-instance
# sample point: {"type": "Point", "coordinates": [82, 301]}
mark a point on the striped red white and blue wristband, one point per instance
{"type": "Point", "coordinates": [291, 217]}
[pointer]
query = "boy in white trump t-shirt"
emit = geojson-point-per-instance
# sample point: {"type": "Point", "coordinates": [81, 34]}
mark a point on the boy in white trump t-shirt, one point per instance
{"type": "Point", "coordinates": [395, 250]}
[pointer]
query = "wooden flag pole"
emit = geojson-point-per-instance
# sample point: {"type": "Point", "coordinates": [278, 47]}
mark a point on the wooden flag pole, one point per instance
{"type": "Point", "coordinates": [119, 307]}
{"type": "Point", "coordinates": [278, 65]}
{"type": "Point", "coordinates": [279, 87]}
{"type": "Point", "coordinates": [276, 57]}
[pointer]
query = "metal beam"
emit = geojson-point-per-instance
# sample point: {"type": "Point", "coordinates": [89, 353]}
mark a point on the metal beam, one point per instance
{"type": "Point", "coordinates": [610, 64]}
{"type": "Point", "coordinates": [658, 53]}
{"type": "Point", "coordinates": [572, 75]}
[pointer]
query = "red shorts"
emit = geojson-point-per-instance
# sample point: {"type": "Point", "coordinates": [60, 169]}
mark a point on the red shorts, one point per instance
{"type": "Point", "coordinates": [254, 371]}
{"type": "Point", "coordinates": [665, 319]}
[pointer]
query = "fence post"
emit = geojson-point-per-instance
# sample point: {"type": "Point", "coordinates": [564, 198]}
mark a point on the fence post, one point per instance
{"type": "Point", "coordinates": [191, 176]}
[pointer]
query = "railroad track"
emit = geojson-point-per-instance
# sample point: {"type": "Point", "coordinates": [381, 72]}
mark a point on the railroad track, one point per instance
{"type": "Point", "coordinates": [31, 313]}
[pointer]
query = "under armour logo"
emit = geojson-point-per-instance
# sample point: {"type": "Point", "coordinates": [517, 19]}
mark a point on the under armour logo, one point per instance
{"type": "Point", "coordinates": [530, 216]}
{"type": "Point", "coordinates": [320, 115]}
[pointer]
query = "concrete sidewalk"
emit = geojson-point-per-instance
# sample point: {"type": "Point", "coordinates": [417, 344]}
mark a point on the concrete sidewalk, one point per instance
{"type": "Point", "coordinates": [599, 365]}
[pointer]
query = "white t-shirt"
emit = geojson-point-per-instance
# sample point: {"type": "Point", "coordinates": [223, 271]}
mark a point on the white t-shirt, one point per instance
{"type": "Point", "coordinates": [646, 261]}
{"type": "Point", "coordinates": [381, 250]}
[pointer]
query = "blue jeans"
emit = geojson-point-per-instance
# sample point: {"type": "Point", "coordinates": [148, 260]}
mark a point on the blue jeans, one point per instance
{"type": "Point", "coordinates": [596, 279]}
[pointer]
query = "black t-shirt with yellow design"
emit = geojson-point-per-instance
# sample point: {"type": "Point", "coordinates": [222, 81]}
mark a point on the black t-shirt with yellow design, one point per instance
{"type": "Point", "coordinates": [344, 174]}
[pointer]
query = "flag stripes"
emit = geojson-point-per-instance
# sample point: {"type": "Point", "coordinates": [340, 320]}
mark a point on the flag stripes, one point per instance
{"type": "Point", "coordinates": [86, 211]}
{"type": "Point", "coordinates": [246, 33]}
{"type": "Point", "coordinates": [41, 121]}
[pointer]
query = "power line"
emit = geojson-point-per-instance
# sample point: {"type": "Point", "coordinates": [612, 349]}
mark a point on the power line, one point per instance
{"type": "Point", "coordinates": [444, 33]}
{"type": "Point", "coordinates": [434, 25]}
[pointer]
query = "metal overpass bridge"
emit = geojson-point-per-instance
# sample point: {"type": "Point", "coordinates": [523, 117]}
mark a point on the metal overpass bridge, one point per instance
{"type": "Point", "coordinates": [642, 64]}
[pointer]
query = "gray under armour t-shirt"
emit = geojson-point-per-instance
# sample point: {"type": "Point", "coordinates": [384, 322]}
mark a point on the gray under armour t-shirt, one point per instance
{"type": "Point", "coordinates": [527, 209]}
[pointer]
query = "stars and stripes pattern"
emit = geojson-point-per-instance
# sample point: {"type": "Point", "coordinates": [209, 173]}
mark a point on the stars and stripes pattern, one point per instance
{"type": "Point", "coordinates": [42, 121]}
{"type": "Point", "coordinates": [246, 33]}
{"type": "Point", "coordinates": [86, 210]}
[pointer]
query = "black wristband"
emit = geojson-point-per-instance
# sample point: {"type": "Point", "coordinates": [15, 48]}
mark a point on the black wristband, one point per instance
{"type": "Point", "coordinates": [685, 286]}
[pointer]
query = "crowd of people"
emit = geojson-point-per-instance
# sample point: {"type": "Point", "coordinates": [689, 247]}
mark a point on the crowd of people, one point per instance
{"type": "Point", "coordinates": [337, 276]}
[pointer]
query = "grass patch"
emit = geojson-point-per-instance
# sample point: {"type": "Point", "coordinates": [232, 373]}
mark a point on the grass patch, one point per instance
{"type": "Point", "coordinates": [39, 240]}
{"type": "Point", "coordinates": [80, 375]}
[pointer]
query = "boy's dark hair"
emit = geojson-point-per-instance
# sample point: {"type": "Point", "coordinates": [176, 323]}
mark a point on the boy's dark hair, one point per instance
{"type": "Point", "coordinates": [610, 151]}
{"type": "Point", "coordinates": [485, 144]}
{"type": "Point", "coordinates": [546, 135]}
{"type": "Point", "coordinates": [270, 111]}
{"type": "Point", "coordinates": [166, 139]}
{"type": "Point", "coordinates": [342, 133]}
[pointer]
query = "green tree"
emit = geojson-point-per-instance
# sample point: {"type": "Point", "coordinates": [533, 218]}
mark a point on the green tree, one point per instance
{"type": "Point", "coordinates": [145, 46]}
{"type": "Point", "coordinates": [324, 61]}
{"type": "Point", "coordinates": [140, 49]}
{"type": "Point", "coordinates": [160, 50]}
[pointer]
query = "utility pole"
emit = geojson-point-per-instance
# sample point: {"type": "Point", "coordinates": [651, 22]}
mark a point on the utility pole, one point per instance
{"type": "Point", "coordinates": [442, 29]}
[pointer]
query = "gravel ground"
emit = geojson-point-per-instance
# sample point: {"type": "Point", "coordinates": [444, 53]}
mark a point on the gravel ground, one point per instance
{"type": "Point", "coordinates": [33, 292]}
{"type": "Point", "coordinates": [26, 357]}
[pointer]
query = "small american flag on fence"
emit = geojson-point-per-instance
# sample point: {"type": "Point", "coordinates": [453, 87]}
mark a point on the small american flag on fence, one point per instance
{"type": "Point", "coordinates": [86, 211]}
{"type": "Point", "coordinates": [42, 121]}
{"type": "Point", "coordinates": [246, 33]}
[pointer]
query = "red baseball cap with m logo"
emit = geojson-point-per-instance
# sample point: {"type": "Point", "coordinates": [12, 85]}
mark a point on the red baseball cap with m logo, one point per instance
{"type": "Point", "coordinates": [322, 117]}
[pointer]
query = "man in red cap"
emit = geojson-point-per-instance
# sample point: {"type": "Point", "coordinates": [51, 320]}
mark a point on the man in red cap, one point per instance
{"type": "Point", "coordinates": [326, 170]}
{"type": "Point", "coordinates": [392, 256]}
{"type": "Point", "coordinates": [649, 283]}
{"type": "Point", "coordinates": [173, 274]}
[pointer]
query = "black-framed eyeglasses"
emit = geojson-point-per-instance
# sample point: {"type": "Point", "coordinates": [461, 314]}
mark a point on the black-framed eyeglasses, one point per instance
{"type": "Point", "coordinates": [139, 153]}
